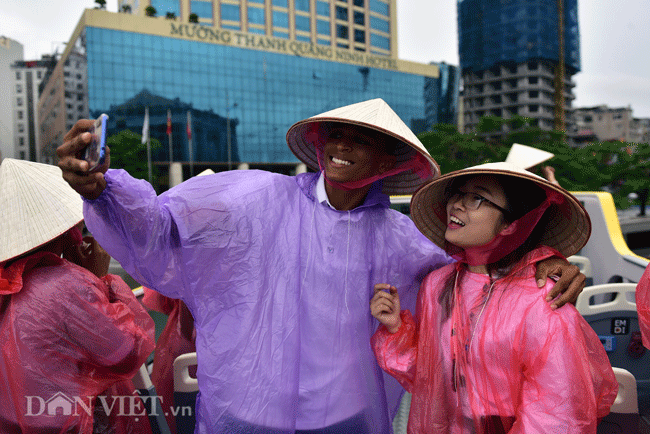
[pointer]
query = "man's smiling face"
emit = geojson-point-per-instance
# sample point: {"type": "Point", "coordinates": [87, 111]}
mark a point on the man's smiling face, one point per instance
{"type": "Point", "coordinates": [353, 153]}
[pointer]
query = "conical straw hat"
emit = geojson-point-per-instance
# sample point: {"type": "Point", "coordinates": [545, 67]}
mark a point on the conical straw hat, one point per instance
{"type": "Point", "coordinates": [567, 232]}
{"type": "Point", "coordinates": [376, 115]}
{"type": "Point", "coordinates": [527, 157]}
{"type": "Point", "coordinates": [36, 206]}
{"type": "Point", "coordinates": [206, 172]}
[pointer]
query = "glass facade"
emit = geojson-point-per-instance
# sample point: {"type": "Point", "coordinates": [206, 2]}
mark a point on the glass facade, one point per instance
{"type": "Point", "coordinates": [280, 19]}
{"type": "Point", "coordinates": [323, 8]}
{"type": "Point", "coordinates": [379, 41]}
{"type": "Point", "coordinates": [379, 6]}
{"type": "Point", "coordinates": [302, 5]}
{"type": "Point", "coordinates": [379, 24]}
{"type": "Point", "coordinates": [255, 15]}
{"type": "Point", "coordinates": [165, 6]}
{"type": "Point", "coordinates": [202, 9]}
{"type": "Point", "coordinates": [302, 23]}
{"type": "Point", "coordinates": [323, 27]}
{"type": "Point", "coordinates": [490, 33]}
{"type": "Point", "coordinates": [258, 95]}
{"type": "Point", "coordinates": [229, 12]}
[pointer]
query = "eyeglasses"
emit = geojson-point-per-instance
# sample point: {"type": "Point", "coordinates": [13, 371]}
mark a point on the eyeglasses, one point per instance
{"type": "Point", "coordinates": [473, 200]}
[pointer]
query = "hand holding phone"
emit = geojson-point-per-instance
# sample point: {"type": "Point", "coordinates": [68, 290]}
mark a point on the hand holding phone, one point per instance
{"type": "Point", "coordinates": [95, 153]}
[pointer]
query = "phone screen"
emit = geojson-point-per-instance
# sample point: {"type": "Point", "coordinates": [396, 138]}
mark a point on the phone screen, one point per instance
{"type": "Point", "coordinates": [96, 150]}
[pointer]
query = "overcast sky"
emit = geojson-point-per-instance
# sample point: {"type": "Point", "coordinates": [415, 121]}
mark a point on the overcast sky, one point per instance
{"type": "Point", "coordinates": [614, 36]}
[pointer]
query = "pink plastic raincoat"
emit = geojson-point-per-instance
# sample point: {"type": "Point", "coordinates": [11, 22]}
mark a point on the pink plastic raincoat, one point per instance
{"type": "Point", "coordinates": [520, 366]}
{"type": "Point", "coordinates": [279, 286]}
{"type": "Point", "coordinates": [66, 338]}
{"type": "Point", "coordinates": [171, 343]}
{"type": "Point", "coordinates": [643, 306]}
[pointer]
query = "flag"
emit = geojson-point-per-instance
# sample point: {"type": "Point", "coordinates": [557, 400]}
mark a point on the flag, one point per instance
{"type": "Point", "coordinates": [189, 125]}
{"type": "Point", "coordinates": [169, 122]}
{"type": "Point", "coordinates": [145, 126]}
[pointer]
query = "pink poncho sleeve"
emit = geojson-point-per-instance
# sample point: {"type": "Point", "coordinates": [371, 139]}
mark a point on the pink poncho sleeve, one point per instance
{"type": "Point", "coordinates": [643, 306]}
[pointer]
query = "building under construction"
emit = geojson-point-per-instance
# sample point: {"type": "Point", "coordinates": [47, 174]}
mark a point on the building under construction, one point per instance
{"type": "Point", "coordinates": [517, 57]}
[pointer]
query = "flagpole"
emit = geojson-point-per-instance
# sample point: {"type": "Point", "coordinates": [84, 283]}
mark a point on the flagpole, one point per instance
{"type": "Point", "coordinates": [145, 137]}
{"type": "Point", "coordinates": [189, 142]}
{"type": "Point", "coordinates": [149, 171]}
{"type": "Point", "coordinates": [169, 136]}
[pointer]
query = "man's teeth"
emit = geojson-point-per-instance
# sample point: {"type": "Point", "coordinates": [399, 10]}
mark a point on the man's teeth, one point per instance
{"type": "Point", "coordinates": [337, 161]}
{"type": "Point", "coordinates": [455, 220]}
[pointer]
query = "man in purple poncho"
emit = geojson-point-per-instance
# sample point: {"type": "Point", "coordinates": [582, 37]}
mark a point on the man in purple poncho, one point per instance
{"type": "Point", "coordinates": [278, 271]}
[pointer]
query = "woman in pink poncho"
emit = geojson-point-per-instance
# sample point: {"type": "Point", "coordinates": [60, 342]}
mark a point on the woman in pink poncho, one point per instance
{"type": "Point", "coordinates": [71, 335]}
{"type": "Point", "coordinates": [486, 353]}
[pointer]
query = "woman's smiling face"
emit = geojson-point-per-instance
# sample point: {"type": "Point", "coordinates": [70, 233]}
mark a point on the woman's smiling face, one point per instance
{"type": "Point", "coordinates": [469, 225]}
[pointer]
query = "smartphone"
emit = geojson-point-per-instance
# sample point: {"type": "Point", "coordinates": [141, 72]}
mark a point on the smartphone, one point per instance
{"type": "Point", "coordinates": [95, 153]}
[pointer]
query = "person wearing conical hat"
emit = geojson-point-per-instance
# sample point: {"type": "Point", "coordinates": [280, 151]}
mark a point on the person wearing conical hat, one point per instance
{"type": "Point", "coordinates": [278, 270]}
{"type": "Point", "coordinates": [486, 354]}
{"type": "Point", "coordinates": [65, 332]}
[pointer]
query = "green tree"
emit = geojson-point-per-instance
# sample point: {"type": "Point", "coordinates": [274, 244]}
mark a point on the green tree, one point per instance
{"type": "Point", "coordinates": [170, 16]}
{"type": "Point", "coordinates": [194, 18]}
{"type": "Point", "coordinates": [126, 9]}
{"type": "Point", "coordinates": [129, 153]}
{"type": "Point", "coordinates": [454, 150]}
{"type": "Point", "coordinates": [150, 11]}
{"type": "Point", "coordinates": [101, 4]}
{"type": "Point", "coordinates": [618, 167]}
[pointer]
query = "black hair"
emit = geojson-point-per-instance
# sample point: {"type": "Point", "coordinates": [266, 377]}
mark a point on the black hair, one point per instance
{"type": "Point", "coordinates": [522, 196]}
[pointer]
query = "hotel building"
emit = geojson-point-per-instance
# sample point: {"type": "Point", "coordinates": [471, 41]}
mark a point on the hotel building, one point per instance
{"type": "Point", "coordinates": [243, 80]}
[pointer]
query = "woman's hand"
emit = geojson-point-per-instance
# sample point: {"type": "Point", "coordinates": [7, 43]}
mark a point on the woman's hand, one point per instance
{"type": "Point", "coordinates": [385, 306]}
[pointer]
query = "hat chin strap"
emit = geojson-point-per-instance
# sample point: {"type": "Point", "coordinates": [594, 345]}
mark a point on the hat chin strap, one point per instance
{"type": "Point", "coordinates": [502, 245]}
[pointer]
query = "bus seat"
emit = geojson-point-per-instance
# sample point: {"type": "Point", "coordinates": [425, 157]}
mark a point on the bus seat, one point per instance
{"type": "Point", "coordinates": [616, 324]}
{"type": "Point", "coordinates": [145, 387]}
{"type": "Point", "coordinates": [402, 417]}
{"type": "Point", "coordinates": [585, 267]}
{"type": "Point", "coordinates": [624, 413]}
{"type": "Point", "coordinates": [186, 389]}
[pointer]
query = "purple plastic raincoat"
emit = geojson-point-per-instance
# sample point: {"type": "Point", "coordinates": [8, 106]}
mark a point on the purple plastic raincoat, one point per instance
{"type": "Point", "coordinates": [279, 286]}
{"type": "Point", "coordinates": [521, 367]}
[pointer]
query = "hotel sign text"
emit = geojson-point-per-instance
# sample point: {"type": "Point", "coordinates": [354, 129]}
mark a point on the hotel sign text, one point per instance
{"type": "Point", "coordinates": [268, 43]}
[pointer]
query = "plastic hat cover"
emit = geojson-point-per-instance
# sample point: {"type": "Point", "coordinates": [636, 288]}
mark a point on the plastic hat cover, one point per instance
{"type": "Point", "coordinates": [374, 114]}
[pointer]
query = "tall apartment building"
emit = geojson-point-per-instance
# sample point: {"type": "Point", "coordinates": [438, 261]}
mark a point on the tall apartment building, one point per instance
{"type": "Point", "coordinates": [509, 58]}
{"type": "Point", "coordinates": [63, 100]}
{"type": "Point", "coordinates": [10, 52]}
{"type": "Point", "coordinates": [27, 77]}
{"type": "Point", "coordinates": [363, 25]}
{"type": "Point", "coordinates": [250, 85]}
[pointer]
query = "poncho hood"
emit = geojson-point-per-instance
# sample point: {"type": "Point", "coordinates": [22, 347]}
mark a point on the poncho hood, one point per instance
{"type": "Point", "coordinates": [11, 274]}
{"type": "Point", "coordinates": [375, 196]}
